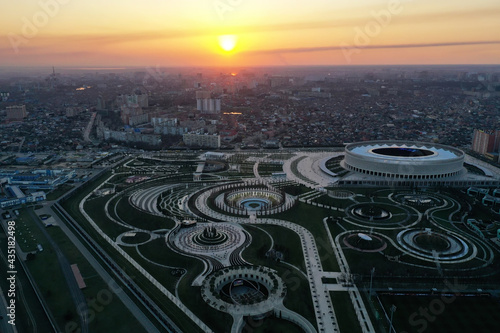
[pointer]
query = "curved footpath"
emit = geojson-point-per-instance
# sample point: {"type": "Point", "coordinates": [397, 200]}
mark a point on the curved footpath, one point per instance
{"type": "Point", "coordinates": [146, 274]}
{"type": "Point", "coordinates": [323, 307]}
{"type": "Point", "coordinates": [320, 292]}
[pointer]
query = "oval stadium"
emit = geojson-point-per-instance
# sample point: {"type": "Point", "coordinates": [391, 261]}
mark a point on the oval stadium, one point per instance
{"type": "Point", "coordinates": [404, 163]}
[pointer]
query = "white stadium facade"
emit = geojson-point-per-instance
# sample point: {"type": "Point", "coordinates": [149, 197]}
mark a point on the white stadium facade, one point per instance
{"type": "Point", "coordinates": [407, 163]}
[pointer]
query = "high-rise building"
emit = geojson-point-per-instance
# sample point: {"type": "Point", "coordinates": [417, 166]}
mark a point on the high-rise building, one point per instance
{"type": "Point", "coordinates": [203, 94]}
{"type": "Point", "coordinates": [17, 112]}
{"type": "Point", "coordinates": [130, 111]}
{"type": "Point", "coordinates": [72, 111]}
{"type": "Point", "coordinates": [101, 104]}
{"type": "Point", "coordinates": [131, 108]}
{"type": "Point", "coordinates": [135, 99]}
{"type": "Point", "coordinates": [486, 142]}
{"type": "Point", "coordinates": [206, 104]}
{"type": "Point", "coordinates": [201, 140]}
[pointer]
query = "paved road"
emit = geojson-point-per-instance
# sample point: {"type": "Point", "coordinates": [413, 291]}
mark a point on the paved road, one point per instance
{"type": "Point", "coordinates": [126, 300]}
{"type": "Point", "coordinates": [168, 321]}
{"type": "Point", "coordinates": [76, 293]}
{"type": "Point", "coordinates": [310, 168]}
{"type": "Point", "coordinates": [325, 316]}
{"type": "Point", "coordinates": [86, 134]}
{"type": "Point", "coordinates": [323, 307]}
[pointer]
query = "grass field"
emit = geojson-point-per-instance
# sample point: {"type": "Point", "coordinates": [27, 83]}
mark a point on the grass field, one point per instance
{"type": "Point", "coordinates": [95, 209]}
{"type": "Point", "coordinates": [107, 316]}
{"type": "Point", "coordinates": [261, 243]}
{"type": "Point", "coordinates": [27, 305]}
{"type": "Point", "coordinates": [71, 206]}
{"type": "Point", "coordinates": [344, 312]}
{"type": "Point", "coordinates": [49, 277]}
{"type": "Point", "coordinates": [282, 156]}
{"type": "Point", "coordinates": [292, 188]}
{"type": "Point", "coordinates": [157, 251]}
{"type": "Point", "coordinates": [461, 315]}
{"type": "Point", "coordinates": [59, 191]}
{"type": "Point", "coordinates": [138, 219]}
{"type": "Point", "coordinates": [444, 314]}
{"type": "Point", "coordinates": [326, 200]}
{"type": "Point", "coordinates": [298, 296]}
{"type": "Point", "coordinates": [266, 169]}
{"type": "Point", "coordinates": [27, 234]}
{"type": "Point", "coordinates": [295, 170]}
{"type": "Point", "coordinates": [271, 325]}
{"type": "Point", "coordinates": [191, 296]}
{"type": "Point", "coordinates": [287, 242]}
{"type": "Point", "coordinates": [311, 218]}
{"type": "Point", "coordinates": [162, 274]}
{"type": "Point", "coordinates": [139, 237]}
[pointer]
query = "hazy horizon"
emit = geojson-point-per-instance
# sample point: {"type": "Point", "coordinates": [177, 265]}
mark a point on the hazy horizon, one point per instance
{"type": "Point", "coordinates": [221, 33]}
{"type": "Point", "coordinates": [223, 67]}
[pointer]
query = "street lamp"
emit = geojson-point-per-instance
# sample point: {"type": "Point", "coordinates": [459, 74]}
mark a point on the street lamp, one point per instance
{"type": "Point", "coordinates": [371, 280]}
{"type": "Point", "coordinates": [391, 328]}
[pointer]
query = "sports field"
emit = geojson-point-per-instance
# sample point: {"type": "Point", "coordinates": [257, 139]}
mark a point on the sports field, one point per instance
{"type": "Point", "coordinates": [443, 313]}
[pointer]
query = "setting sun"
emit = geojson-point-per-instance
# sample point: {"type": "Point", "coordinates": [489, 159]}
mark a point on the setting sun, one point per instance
{"type": "Point", "coordinates": [227, 42]}
{"type": "Point", "coordinates": [248, 33]}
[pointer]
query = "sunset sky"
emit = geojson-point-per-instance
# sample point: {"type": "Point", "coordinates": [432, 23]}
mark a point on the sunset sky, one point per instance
{"type": "Point", "coordinates": [264, 32]}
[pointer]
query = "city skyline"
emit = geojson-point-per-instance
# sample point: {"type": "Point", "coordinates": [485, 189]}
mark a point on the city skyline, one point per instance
{"type": "Point", "coordinates": [241, 166]}
{"type": "Point", "coordinates": [243, 33]}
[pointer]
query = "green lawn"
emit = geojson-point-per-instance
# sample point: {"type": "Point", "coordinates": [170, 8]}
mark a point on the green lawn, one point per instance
{"type": "Point", "coordinates": [287, 242]}
{"type": "Point", "coordinates": [311, 218]}
{"type": "Point", "coordinates": [131, 215]}
{"type": "Point", "coordinates": [191, 296]}
{"type": "Point", "coordinates": [159, 252]}
{"type": "Point", "coordinates": [162, 274]}
{"type": "Point", "coordinates": [171, 310]}
{"type": "Point", "coordinates": [271, 325]}
{"type": "Point", "coordinates": [110, 316]}
{"type": "Point", "coordinates": [95, 209]}
{"type": "Point", "coordinates": [71, 206]}
{"type": "Point", "coordinates": [298, 296]}
{"type": "Point", "coordinates": [26, 299]}
{"type": "Point", "coordinates": [139, 237]}
{"type": "Point", "coordinates": [344, 312]}
{"type": "Point", "coordinates": [59, 191]}
{"type": "Point", "coordinates": [326, 200]}
{"type": "Point", "coordinates": [27, 233]}
{"type": "Point", "coordinates": [295, 189]}
{"type": "Point", "coordinates": [261, 243]}
{"type": "Point", "coordinates": [444, 314]}
{"type": "Point", "coordinates": [266, 169]}
{"type": "Point", "coordinates": [49, 277]}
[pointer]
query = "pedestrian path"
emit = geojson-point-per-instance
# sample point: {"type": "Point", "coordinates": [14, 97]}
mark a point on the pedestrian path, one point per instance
{"type": "Point", "coordinates": [323, 307]}
{"type": "Point", "coordinates": [305, 168]}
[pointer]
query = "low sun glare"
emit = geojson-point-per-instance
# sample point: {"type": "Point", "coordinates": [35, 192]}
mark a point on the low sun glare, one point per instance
{"type": "Point", "coordinates": [227, 42]}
